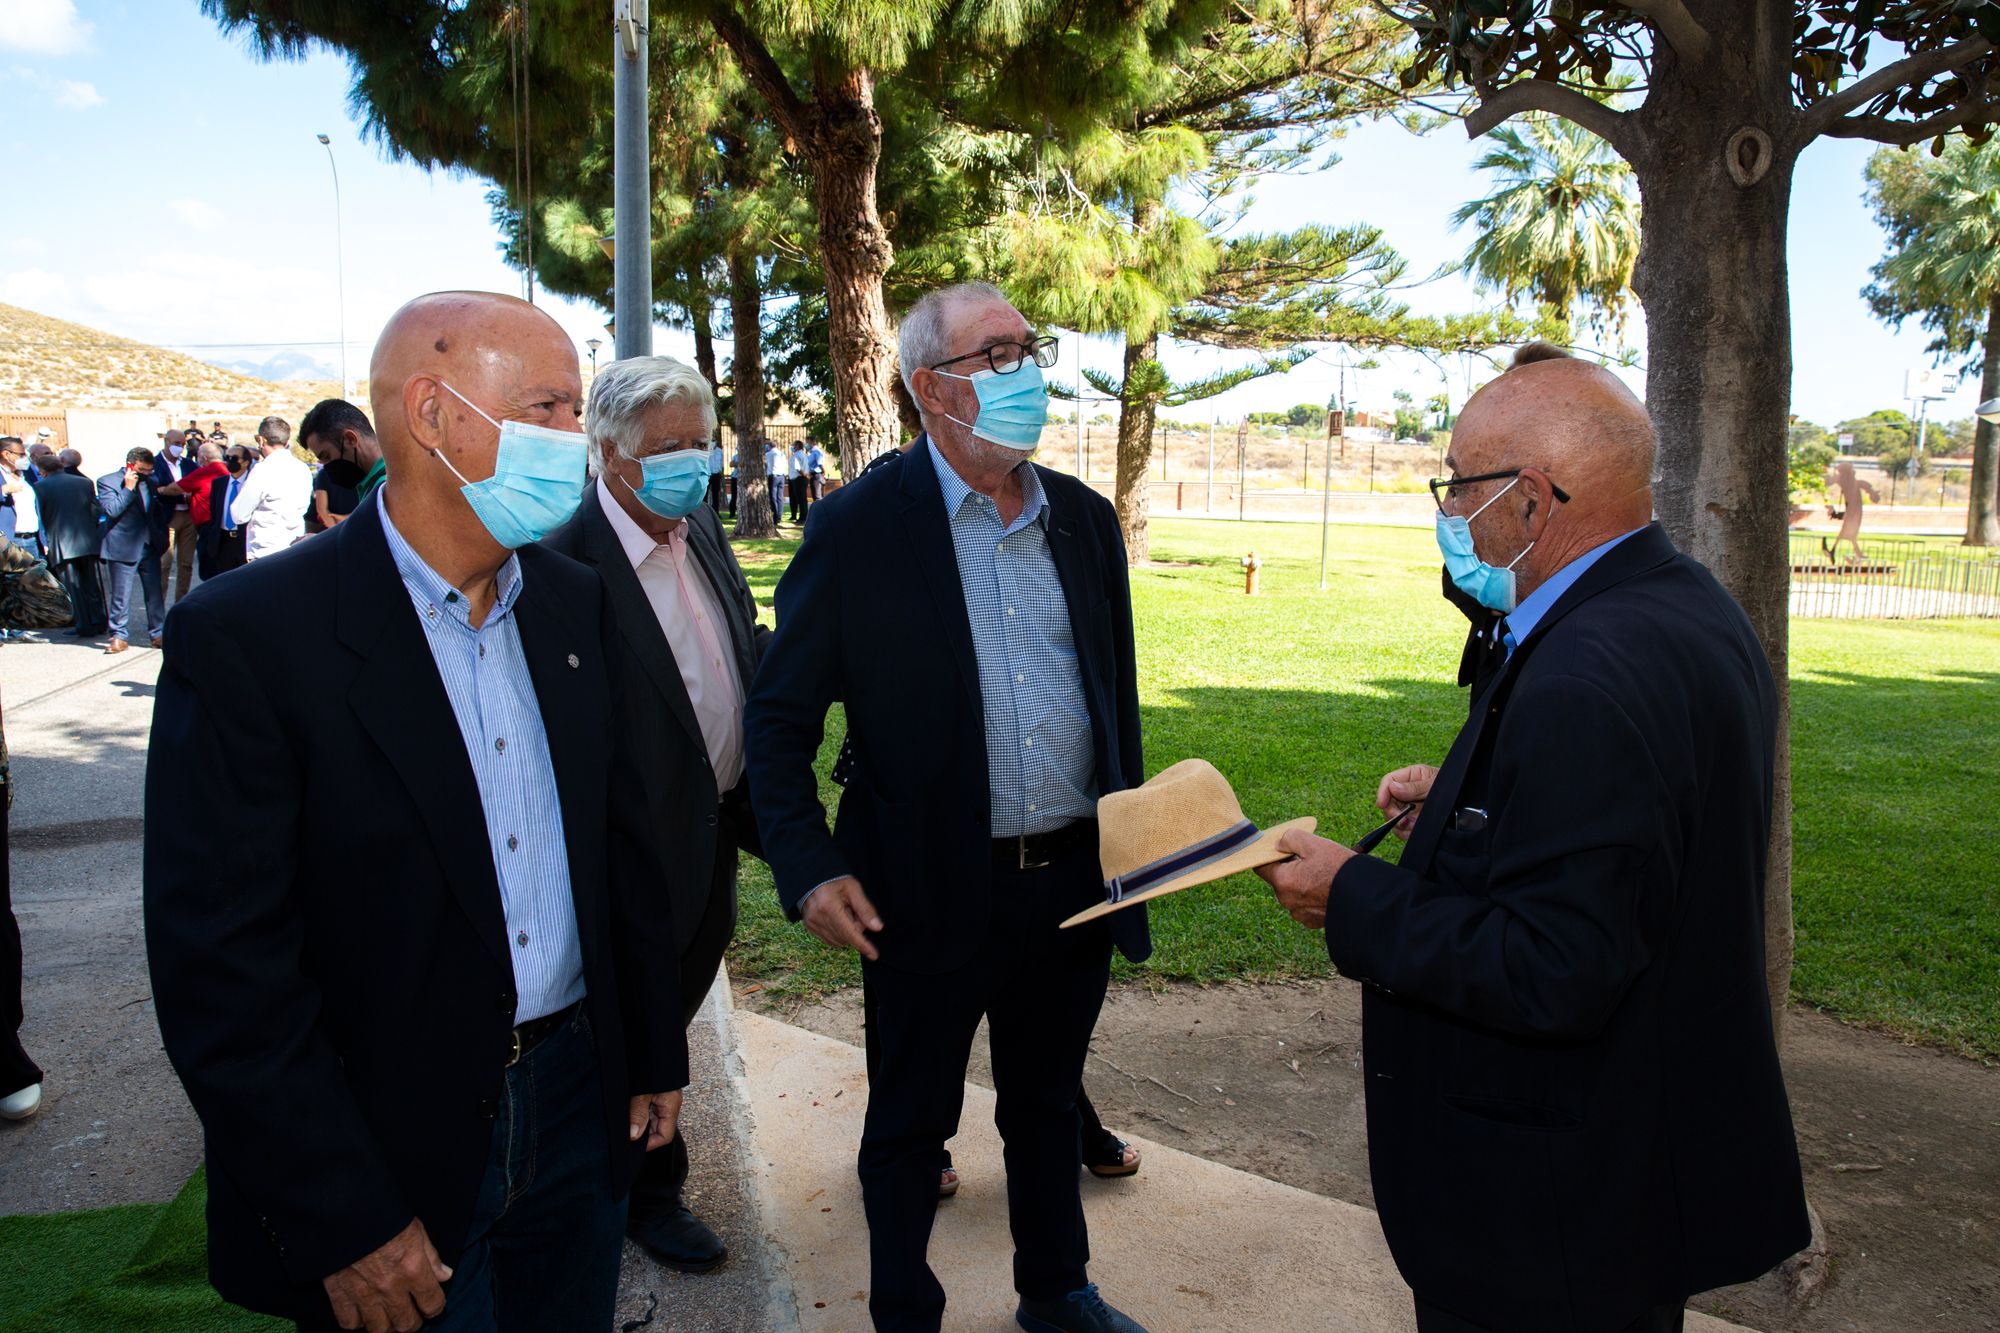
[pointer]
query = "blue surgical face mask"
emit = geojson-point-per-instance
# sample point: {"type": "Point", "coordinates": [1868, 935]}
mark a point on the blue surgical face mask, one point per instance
{"type": "Point", "coordinates": [537, 480]}
{"type": "Point", "coordinates": [672, 484]}
{"type": "Point", "coordinates": [1013, 407]}
{"type": "Point", "coordinates": [1491, 587]}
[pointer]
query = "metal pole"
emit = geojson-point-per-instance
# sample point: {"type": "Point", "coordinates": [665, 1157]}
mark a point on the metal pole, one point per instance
{"type": "Point", "coordinates": [1079, 407]}
{"type": "Point", "coordinates": [632, 285]}
{"type": "Point", "coordinates": [1242, 466]}
{"type": "Point", "coordinates": [339, 269]}
{"type": "Point", "coordinates": [1325, 511]}
{"type": "Point", "coordinates": [1209, 506]}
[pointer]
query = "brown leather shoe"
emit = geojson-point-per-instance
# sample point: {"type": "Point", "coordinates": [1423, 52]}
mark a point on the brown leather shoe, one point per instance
{"type": "Point", "coordinates": [156, 643]}
{"type": "Point", "coordinates": [116, 646]}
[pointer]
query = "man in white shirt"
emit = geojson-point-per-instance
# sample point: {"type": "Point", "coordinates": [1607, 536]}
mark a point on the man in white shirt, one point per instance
{"type": "Point", "coordinates": [774, 477]}
{"type": "Point", "coordinates": [271, 503]}
{"type": "Point", "coordinates": [815, 474]}
{"type": "Point", "coordinates": [680, 669]}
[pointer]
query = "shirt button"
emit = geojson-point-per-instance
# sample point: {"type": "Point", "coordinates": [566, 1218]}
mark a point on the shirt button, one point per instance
{"type": "Point", "coordinates": [512, 842]}
{"type": "Point", "coordinates": [1027, 741]}
{"type": "Point", "coordinates": [482, 650]}
{"type": "Point", "coordinates": [1031, 809]}
{"type": "Point", "coordinates": [500, 744]}
{"type": "Point", "coordinates": [451, 598]}
{"type": "Point", "coordinates": [1010, 610]}
{"type": "Point", "coordinates": [1018, 678]}
{"type": "Point", "coordinates": [522, 939]}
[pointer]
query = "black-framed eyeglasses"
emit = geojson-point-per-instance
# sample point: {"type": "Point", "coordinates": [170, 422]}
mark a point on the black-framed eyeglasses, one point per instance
{"type": "Point", "coordinates": [1006, 358]}
{"type": "Point", "coordinates": [1443, 488]}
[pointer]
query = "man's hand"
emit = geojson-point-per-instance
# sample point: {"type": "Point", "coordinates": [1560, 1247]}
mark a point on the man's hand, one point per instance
{"type": "Point", "coordinates": [396, 1287]}
{"type": "Point", "coordinates": [1406, 787]}
{"type": "Point", "coordinates": [1303, 883]}
{"type": "Point", "coordinates": [839, 913]}
{"type": "Point", "coordinates": [131, 478]}
{"type": "Point", "coordinates": [656, 1115]}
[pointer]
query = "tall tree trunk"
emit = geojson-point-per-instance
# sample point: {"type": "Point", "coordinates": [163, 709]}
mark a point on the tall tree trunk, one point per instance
{"type": "Point", "coordinates": [855, 252]}
{"type": "Point", "coordinates": [746, 371]}
{"type": "Point", "coordinates": [1982, 506]}
{"type": "Point", "coordinates": [1716, 191]}
{"type": "Point", "coordinates": [701, 318]}
{"type": "Point", "coordinates": [1137, 408]}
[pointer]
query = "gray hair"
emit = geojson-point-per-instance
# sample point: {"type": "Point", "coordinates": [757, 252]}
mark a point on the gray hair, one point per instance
{"type": "Point", "coordinates": [624, 391]}
{"type": "Point", "coordinates": [210, 452]}
{"type": "Point", "coordinates": [276, 431]}
{"type": "Point", "coordinates": [924, 338]}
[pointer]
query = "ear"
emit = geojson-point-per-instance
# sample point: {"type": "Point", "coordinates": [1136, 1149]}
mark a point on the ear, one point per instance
{"type": "Point", "coordinates": [924, 387]}
{"type": "Point", "coordinates": [423, 412]}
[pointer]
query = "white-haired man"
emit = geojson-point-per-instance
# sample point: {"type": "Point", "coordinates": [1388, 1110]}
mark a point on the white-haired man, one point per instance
{"type": "Point", "coordinates": [682, 643]}
{"type": "Point", "coordinates": [996, 613]}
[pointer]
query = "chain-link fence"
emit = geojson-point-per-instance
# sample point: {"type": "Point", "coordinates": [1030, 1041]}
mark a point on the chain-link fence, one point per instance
{"type": "Point", "coordinates": [1892, 578]}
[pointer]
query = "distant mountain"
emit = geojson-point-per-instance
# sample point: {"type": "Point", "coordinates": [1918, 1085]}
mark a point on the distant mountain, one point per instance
{"type": "Point", "coordinates": [283, 368]}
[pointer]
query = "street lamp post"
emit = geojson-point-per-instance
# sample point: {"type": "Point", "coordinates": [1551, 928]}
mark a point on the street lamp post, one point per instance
{"type": "Point", "coordinates": [593, 344]}
{"type": "Point", "coordinates": [339, 268]}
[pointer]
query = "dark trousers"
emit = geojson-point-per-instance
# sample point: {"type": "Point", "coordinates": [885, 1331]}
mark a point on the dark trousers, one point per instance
{"type": "Point", "coordinates": [715, 491]}
{"type": "Point", "coordinates": [1040, 990]}
{"type": "Point", "coordinates": [1661, 1319]}
{"type": "Point", "coordinates": [221, 552]}
{"type": "Point", "coordinates": [547, 1234]}
{"type": "Point", "coordinates": [772, 483]}
{"type": "Point", "coordinates": [118, 576]}
{"type": "Point", "coordinates": [796, 489]}
{"type": "Point", "coordinates": [79, 578]}
{"type": "Point", "coordinates": [17, 1071]}
{"type": "Point", "coordinates": [733, 487]}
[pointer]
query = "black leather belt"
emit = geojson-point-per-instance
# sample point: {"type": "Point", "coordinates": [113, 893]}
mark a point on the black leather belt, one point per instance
{"type": "Point", "coordinates": [537, 1030]}
{"type": "Point", "coordinates": [1032, 851]}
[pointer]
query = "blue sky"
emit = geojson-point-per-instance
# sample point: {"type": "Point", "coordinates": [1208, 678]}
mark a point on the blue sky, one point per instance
{"type": "Point", "coordinates": [164, 184]}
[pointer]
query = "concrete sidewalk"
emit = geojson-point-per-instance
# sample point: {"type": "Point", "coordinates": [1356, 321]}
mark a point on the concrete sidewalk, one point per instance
{"type": "Point", "coordinates": [1186, 1245]}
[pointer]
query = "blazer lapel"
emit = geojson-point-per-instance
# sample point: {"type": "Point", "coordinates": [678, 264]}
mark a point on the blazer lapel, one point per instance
{"type": "Point", "coordinates": [399, 700]}
{"type": "Point", "coordinates": [637, 623]}
{"type": "Point", "coordinates": [935, 556]}
{"type": "Point", "coordinates": [557, 644]}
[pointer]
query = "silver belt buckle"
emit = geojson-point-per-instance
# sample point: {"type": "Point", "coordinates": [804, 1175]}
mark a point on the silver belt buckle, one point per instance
{"type": "Point", "coordinates": [515, 1057]}
{"type": "Point", "coordinates": [1021, 854]}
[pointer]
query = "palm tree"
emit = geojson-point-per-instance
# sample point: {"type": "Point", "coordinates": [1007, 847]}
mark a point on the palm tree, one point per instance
{"type": "Point", "coordinates": [1563, 226]}
{"type": "Point", "coordinates": [1943, 266]}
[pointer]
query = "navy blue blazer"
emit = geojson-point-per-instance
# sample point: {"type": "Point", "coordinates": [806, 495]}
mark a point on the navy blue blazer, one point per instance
{"type": "Point", "coordinates": [1575, 1110]}
{"type": "Point", "coordinates": [68, 505]}
{"type": "Point", "coordinates": [132, 530]}
{"type": "Point", "coordinates": [871, 615]}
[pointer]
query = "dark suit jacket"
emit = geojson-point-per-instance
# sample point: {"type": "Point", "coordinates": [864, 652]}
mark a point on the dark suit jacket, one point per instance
{"type": "Point", "coordinates": [208, 541]}
{"type": "Point", "coordinates": [69, 516]}
{"type": "Point", "coordinates": [332, 976]}
{"type": "Point", "coordinates": [132, 530]}
{"type": "Point", "coordinates": [1574, 1103]}
{"type": "Point", "coordinates": [871, 614]}
{"type": "Point", "coordinates": [699, 829]}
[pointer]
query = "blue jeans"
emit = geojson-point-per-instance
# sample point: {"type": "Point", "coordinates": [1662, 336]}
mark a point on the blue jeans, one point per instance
{"type": "Point", "coordinates": [547, 1235]}
{"type": "Point", "coordinates": [118, 594]}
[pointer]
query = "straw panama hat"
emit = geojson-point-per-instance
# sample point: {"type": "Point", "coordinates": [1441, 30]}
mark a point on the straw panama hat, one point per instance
{"type": "Point", "coordinates": [1182, 828]}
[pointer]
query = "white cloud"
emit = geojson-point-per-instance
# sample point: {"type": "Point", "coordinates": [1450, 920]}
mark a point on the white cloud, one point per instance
{"type": "Point", "coordinates": [77, 96]}
{"type": "Point", "coordinates": [196, 214]}
{"type": "Point", "coordinates": [34, 289]}
{"type": "Point", "coordinates": [43, 27]}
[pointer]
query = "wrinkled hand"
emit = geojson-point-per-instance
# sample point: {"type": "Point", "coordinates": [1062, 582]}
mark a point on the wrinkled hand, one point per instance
{"type": "Point", "coordinates": [1405, 787]}
{"type": "Point", "coordinates": [396, 1287]}
{"type": "Point", "coordinates": [841, 914]}
{"type": "Point", "coordinates": [1303, 883]}
{"type": "Point", "coordinates": [656, 1115]}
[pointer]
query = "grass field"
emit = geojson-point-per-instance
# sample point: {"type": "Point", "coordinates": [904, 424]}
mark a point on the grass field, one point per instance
{"type": "Point", "coordinates": [1305, 698]}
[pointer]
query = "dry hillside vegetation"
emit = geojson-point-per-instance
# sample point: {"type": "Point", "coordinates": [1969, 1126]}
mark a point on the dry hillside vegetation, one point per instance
{"type": "Point", "coordinates": [49, 365]}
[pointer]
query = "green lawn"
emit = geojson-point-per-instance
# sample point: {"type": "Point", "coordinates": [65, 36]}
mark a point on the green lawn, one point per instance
{"type": "Point", "coordinates": [1305, 698]}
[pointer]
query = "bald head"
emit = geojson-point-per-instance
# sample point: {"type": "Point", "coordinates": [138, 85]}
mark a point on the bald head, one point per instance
{"type": "Point", "coordinates": [1568, 425]}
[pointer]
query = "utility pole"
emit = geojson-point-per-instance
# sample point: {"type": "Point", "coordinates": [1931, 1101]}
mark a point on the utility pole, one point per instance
{"type": "Point", "coordinates": [1209, 506]}
{"type": "Point", "coordinates": [631, 184]}
{"type": "Point", "coordinates": [1242, 464]}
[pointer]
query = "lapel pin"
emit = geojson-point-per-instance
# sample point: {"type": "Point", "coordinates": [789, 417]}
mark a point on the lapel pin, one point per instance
{"type": "Point", "coordinates": [573, 662]}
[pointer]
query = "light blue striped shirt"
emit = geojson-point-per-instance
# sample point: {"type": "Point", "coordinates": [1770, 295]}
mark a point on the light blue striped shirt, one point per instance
{"type": "Point", "coordinates": [1521, 621]}
{"type": "Point", "coordinates": [1040, 763]}
{"type": "Point", "coordinates": [485, 675]}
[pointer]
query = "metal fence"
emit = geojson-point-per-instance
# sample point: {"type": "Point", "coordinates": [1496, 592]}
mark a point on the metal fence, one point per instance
{"type": "Point", "coordinates": [1893, 578]}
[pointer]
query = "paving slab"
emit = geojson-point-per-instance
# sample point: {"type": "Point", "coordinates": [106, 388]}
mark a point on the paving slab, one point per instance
{"type": "Point", "coordinates": [1188, 1246]}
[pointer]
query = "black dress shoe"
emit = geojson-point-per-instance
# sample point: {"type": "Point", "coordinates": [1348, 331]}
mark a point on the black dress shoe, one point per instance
{"type": "Point", "coordinates": [678, 1239]}
{"type": "Point", "coordinates": [1079, 1312]}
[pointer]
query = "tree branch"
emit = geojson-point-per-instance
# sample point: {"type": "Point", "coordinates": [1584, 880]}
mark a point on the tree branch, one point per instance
{"type": "Point", "coordinates": [1501, 104]}
{"type": "Point", "coordinates": [1673, 22]}
{"type": "Point", "coordinates": [1902, 133]}
{"type": "Point", "coordinates": [763, 72]}
{"type": "Point", "coordinates": [1821, 117]}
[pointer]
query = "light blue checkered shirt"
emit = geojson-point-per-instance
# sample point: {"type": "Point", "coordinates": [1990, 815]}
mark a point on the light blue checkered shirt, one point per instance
{"type": "Point", "coordinates": [1040, 763]}
{"type": "Point", "coordinates": [485, 674]}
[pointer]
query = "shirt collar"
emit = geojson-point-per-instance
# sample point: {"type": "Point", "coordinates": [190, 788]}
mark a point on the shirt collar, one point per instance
{"type": "Point", "coordinates": [955, 491]}
{"type": "Point", "coordinates": [632, 539]}
{"type": "Point", "coordinates": [426, 585]}
{"type": "Point", "coordinates": [1521, 621]}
